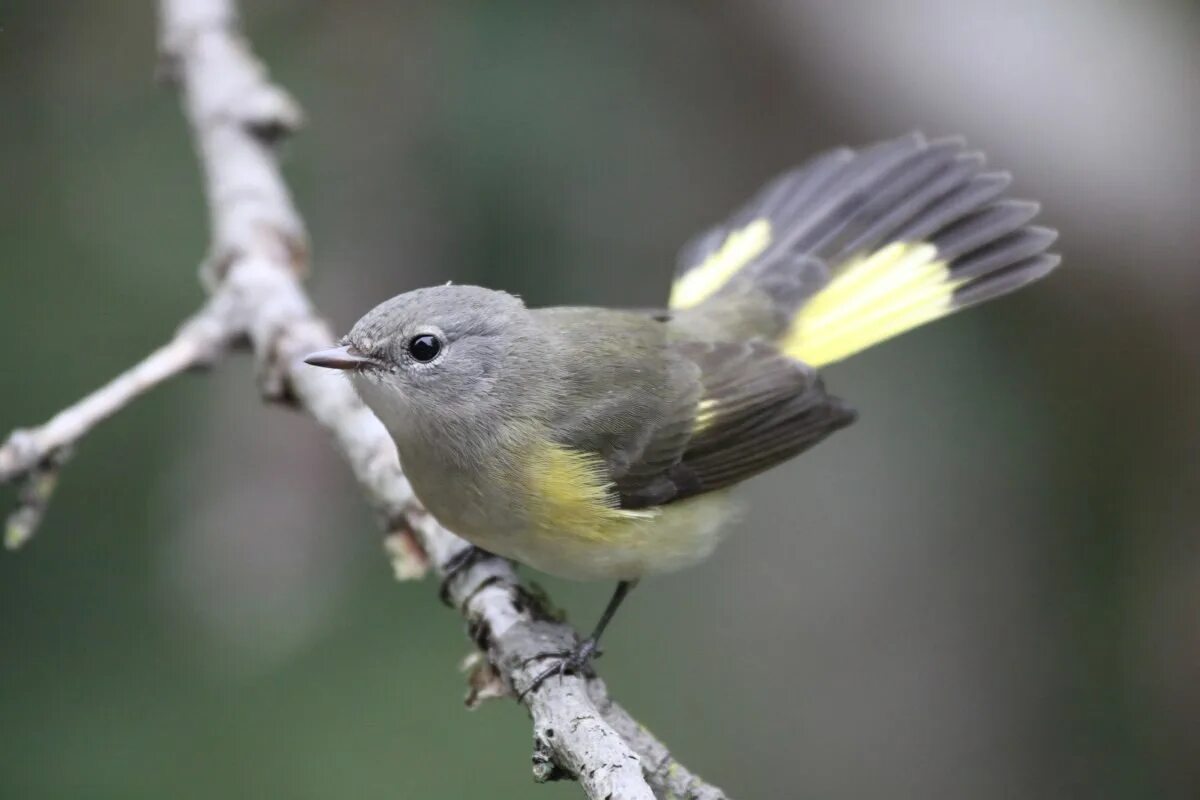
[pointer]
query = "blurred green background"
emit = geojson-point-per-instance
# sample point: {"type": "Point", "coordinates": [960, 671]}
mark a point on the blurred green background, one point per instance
{"type": "Point", "coordinates": [988, 588]}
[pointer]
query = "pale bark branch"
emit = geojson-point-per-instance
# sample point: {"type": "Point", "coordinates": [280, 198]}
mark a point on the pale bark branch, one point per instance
{"type": "Point", "coordinates": [257, 259]}
{"type": "Point", "coordinates": [38, 454]}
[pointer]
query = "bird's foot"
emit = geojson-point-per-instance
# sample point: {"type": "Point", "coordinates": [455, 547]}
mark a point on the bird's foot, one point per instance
{"type": "Point", "coordinates": [462, 560]}
{"type": "Point", "coordinates": [577, 661]}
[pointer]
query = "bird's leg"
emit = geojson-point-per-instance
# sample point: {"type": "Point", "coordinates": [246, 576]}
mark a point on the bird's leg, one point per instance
{"type": "Point", "coordinates": [463, 559]}
{"type": "Point", "coordinates": [580, 659]}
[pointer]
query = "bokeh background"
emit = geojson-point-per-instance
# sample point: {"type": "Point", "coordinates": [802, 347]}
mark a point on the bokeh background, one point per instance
{"type": "Point", "coordinates": [988, 588]}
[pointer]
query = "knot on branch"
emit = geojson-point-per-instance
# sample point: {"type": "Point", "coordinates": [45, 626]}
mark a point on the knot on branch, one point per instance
{"type": "Point", "coordinates": [253, 224]}
{"type": "Point", "coordinates": [269, 114]}
{"type": "Point", "coordinates": [237, 88]}
{"type": "Point", "coordinates": [483, 682]}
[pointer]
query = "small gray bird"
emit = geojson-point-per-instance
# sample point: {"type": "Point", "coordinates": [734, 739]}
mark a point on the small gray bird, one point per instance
{"type": "Point", "coordinates": [596, 443]}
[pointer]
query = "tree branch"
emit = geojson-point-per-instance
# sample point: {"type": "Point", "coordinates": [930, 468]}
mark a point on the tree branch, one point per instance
{"type": "Point", "coordinates": [258, 256]}
{"type": "Point", "coordinates": [38, 454]}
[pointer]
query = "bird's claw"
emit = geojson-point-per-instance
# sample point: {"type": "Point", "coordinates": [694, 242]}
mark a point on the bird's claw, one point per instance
{"type": "Point", "coordinates": [577, 661]}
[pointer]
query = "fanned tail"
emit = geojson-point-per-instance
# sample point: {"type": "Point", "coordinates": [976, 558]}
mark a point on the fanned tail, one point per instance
{"type": "Point", "coordinates": [856, 247]}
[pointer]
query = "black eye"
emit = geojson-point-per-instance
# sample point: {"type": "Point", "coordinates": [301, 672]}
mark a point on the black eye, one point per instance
{"type": "Point", "coordinates": [424, 347]}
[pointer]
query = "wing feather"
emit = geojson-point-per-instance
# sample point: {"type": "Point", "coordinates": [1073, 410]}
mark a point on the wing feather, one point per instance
{"type": "Point", "coordinates": [748, 409]}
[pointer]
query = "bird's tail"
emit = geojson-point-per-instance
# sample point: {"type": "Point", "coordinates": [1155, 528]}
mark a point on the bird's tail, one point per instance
{"type": "Point", "coordinates": [856, 247]}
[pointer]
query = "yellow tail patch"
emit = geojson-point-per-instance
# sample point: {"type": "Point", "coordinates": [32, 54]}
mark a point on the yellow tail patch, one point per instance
{"type": "Point", "coordinates": [702, 281]}
{"type": "Point", "coordinates": [872, 298]}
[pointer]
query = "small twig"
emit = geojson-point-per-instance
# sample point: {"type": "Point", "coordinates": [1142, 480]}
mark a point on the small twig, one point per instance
{"type": "Point", "coordinates": [37, 455]}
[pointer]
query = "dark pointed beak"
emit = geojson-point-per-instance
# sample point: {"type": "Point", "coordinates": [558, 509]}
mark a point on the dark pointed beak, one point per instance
{"type": "Point", "coordinates": [345, 357]}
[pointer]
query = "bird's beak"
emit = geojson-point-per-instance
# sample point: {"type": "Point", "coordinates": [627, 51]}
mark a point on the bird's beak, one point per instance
{"type": "Point", "coordinates": [345, 357]}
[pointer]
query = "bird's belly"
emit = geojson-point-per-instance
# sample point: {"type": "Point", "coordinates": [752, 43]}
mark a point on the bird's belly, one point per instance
{"type": "Point", "coordinates": [651, 541]}
{"type": "Point", "coordinates": [661, 539]}
{"type": "Point", "coordinates": [556, 532]}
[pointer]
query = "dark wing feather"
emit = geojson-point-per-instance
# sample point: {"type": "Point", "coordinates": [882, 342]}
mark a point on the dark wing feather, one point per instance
{"type": "Point", "coordinates": [748, 409]}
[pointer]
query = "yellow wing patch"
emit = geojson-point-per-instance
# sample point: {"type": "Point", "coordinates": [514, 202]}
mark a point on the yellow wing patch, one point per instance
{"type": "Point", "coordinates": [571, 496]}
{"type": "Point", "coordinates": [706, 414]}
{"type": "Point", "coordinates": [873, 298]}
{"type": "Point", "coordinates": [739, 248]}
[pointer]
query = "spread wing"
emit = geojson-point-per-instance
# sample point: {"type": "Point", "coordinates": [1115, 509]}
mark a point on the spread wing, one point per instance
{"type": "Point", "coordinates": [742, 408]}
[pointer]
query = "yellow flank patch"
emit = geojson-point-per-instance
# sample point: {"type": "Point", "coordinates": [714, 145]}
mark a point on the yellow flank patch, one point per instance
{"type": "Point", "coordinates": [739, 248]}
{"type": "Point", "coordinates": [570, 495]}
{"type": "Point", "coordinates": [872, 298]}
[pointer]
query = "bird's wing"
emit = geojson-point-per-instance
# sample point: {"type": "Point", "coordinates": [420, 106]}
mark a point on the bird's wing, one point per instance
{"type": "Point", "coordinates": [653, 418]}
{"type": "Point", "coordinates": [740, 408]}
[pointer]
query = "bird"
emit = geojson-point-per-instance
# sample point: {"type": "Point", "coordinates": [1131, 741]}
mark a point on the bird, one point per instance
{"type": "Point", "coordinates": [603, 444]}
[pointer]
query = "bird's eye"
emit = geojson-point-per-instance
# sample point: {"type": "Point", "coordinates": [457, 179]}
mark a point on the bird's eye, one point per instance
{"type": "Point", "coordinates": [424, 347]}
